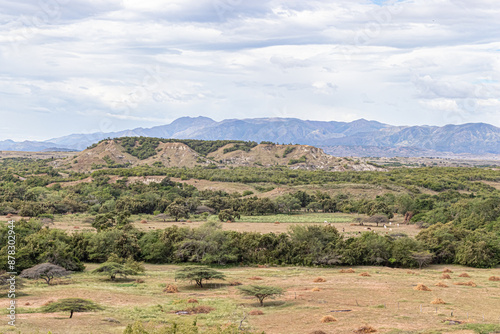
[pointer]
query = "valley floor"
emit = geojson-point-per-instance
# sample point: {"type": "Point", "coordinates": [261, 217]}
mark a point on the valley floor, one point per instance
{"type": "Point", "coordinates": [384, 299]}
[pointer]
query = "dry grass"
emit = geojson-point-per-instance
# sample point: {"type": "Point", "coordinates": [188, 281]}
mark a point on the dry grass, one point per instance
{"type": "Point", "coordinates": [255, 312]}
{"type": "Point", "coordinates": [319, 280]}
{"type": "Point", "coordinates": [365, 274]}
{"type": "Point", "coordinates": [421, 287]}
{"type": "Point", "coordinates": [291, 313]}
{"type": "Point", "coordinates": [316, 289]}
{"type": "Point", "coordinates": [411, 272]}
{"type": "Point", "coordinates": [447, 270]}
{"type": "Point", "coordinates": [261, 266]}
{"type": "Point", "coordinates": [327, 319]}
{"type": "Point", "coordinates": [347, 271]}
{"type": "Point", "coordinates": [438, 301]}
{"type": "Point", "coordinates": [494, 278]}
{"type": "Point", "coordinates": [171, 289]}
{"type": "Point", "coordinates": [255, 278]}
{"type": "Point", "coordinates": [192, 301]}
{"type": "Point", "coordinates": [317, 332]}
{"type": "Point", "coordinates": [365, 329]}
{"type": "Point", "coordinates": [441, 285]}
{"type": "Point", "coordinates": [445, 276]}
{"type": "Point", "coordinates": [464, 275]}
{"type": "Point", "coordinates": [469, 283]}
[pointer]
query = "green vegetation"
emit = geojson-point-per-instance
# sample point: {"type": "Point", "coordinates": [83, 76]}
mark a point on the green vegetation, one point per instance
{"type": "Point", "coordinates": [198, 274]}
{"type": "Point", "coordinates": [179, 328]}
{"type": "Point", "coordinates": [145, 147]}
{"type": "Point", "coordinates": [261, 292]}
{"type": "Point", "coordinates": [71, 305]}
{"type": "Point", "coordinates": [288, 150]}
{"type": "Point", "coordinates": [246, 146]}
{"type": "Point", "coordinates": [459, 214]}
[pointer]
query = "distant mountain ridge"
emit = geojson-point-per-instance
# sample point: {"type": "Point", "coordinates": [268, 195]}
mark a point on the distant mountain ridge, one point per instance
{"type": "Point", "coordinates": [360, 137]}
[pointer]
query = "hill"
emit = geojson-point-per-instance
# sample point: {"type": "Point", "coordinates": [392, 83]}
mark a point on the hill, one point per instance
{"type": "Point", "coordinates": [137, 151]}
{"type": "Point", "coordinates": [357, 138]}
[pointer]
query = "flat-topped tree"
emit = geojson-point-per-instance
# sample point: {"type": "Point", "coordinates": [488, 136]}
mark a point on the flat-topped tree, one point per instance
{"type": "Point", "coordinates": [198, 274]}
{"type": "Point", "coordinates": [261, 292]}
{"type": "Point", "coordinates": [114, 269]}
{"type": "Point", "coordinates": [47, 271]}
{"type": "Point", "coordinates": [71, 305]}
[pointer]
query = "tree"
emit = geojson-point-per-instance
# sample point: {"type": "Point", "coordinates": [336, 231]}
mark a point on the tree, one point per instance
{"type": "Point", "coordinates": [71, 305]}
{"type": "Point", "coordinates": [378, 219]}
{"type": "Point", "coordinates": [111, 219]}
{"type": "Point", "coordinates": [47, 271]}
{"type": "Point", "coordinates": [198, 274]}
{"type": "Point", "coordinates": [228, 214]}
{"type": "Point", "coordinates": [113, 269]}
{"type": "Point", "coordinates": [422, 258]}
{"type": "Point", "coordinates": [261, 292]}
{"type": "Point", "coordinates": [177, 211]}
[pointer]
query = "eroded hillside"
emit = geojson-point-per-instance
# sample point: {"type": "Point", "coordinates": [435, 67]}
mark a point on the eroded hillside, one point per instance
{"type": "Point", "coordinates": [131, 152]}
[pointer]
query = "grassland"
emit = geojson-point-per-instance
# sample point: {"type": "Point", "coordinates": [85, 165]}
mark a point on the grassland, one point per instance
{"type": "Point", "coordinates": [385, 300]}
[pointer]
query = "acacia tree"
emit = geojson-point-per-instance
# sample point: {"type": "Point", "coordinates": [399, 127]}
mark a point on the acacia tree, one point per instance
{"type": "Point", "coordinates": [198, 274]}
{"type": "Point", "coordinates": [261, 292]}
{"type": "Point", "coordinates": [47, 271]}
{"type": "Point", "coordinates": [71, 305]}
{"type": "Point", "coordinates": [378, 219]}
{"type": "Point", "coordinates": [114, 269]}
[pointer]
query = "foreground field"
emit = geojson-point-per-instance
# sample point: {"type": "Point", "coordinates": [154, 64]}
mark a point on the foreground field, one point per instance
{"type": "Point", "coordinates": [385, 300]}
{"type": "Point", "coordinates": [262, 224]}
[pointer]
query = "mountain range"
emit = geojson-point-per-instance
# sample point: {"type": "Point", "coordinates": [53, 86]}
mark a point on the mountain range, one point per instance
{"type": "Point", "coordinates": [357, 138]}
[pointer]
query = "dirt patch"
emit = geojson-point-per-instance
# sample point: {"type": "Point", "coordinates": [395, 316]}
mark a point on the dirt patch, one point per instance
{"type": "Point", "coordinates": [438, 301]}
{"type": "Point", "coordinates": [469, 283]}
{"type": "Point", "coordinates": [421, 287]}
{"type": "Point", "coordinates": [327, 319]}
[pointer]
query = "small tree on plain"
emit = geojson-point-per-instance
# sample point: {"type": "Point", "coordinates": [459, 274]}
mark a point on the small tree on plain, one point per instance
{"type": "Point", "coordinates": [378, 219]}
{"type": "Point", "coordinates": [71, 305]}
{"type": "Point", "coordinates": [261, 292]}
{"type": "Point", "coordinates": [47, 271]}
{"type": "Point", "coordinates": [422, 258]}
{"type": "Point", "coordinates": [198, 274]}
{"type": "Point", "coordinates": [114, 269]}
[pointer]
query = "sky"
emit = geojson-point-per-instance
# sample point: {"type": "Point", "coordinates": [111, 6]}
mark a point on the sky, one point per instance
{"type": "Point", "coordinates": [76, 66]}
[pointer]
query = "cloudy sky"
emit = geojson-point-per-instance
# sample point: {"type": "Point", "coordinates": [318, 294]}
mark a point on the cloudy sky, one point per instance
{"type": "Point", "coordinates": [81, 66]}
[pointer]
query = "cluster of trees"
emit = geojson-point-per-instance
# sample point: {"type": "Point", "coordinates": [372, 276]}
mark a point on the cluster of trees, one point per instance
{"type": "Point", "coordinates": [209, 244]}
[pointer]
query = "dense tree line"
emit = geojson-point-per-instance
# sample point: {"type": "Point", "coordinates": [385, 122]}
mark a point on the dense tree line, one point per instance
{"type": "Point", "coordinates": [209, 244]}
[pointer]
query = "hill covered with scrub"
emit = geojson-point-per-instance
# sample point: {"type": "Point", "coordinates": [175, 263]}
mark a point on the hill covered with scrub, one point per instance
{"type": "Point", "coordinates": [157, 152]}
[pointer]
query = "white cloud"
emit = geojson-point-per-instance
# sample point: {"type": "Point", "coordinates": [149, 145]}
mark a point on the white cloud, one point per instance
{"type": "Point", "coordinates": [136, 63]}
